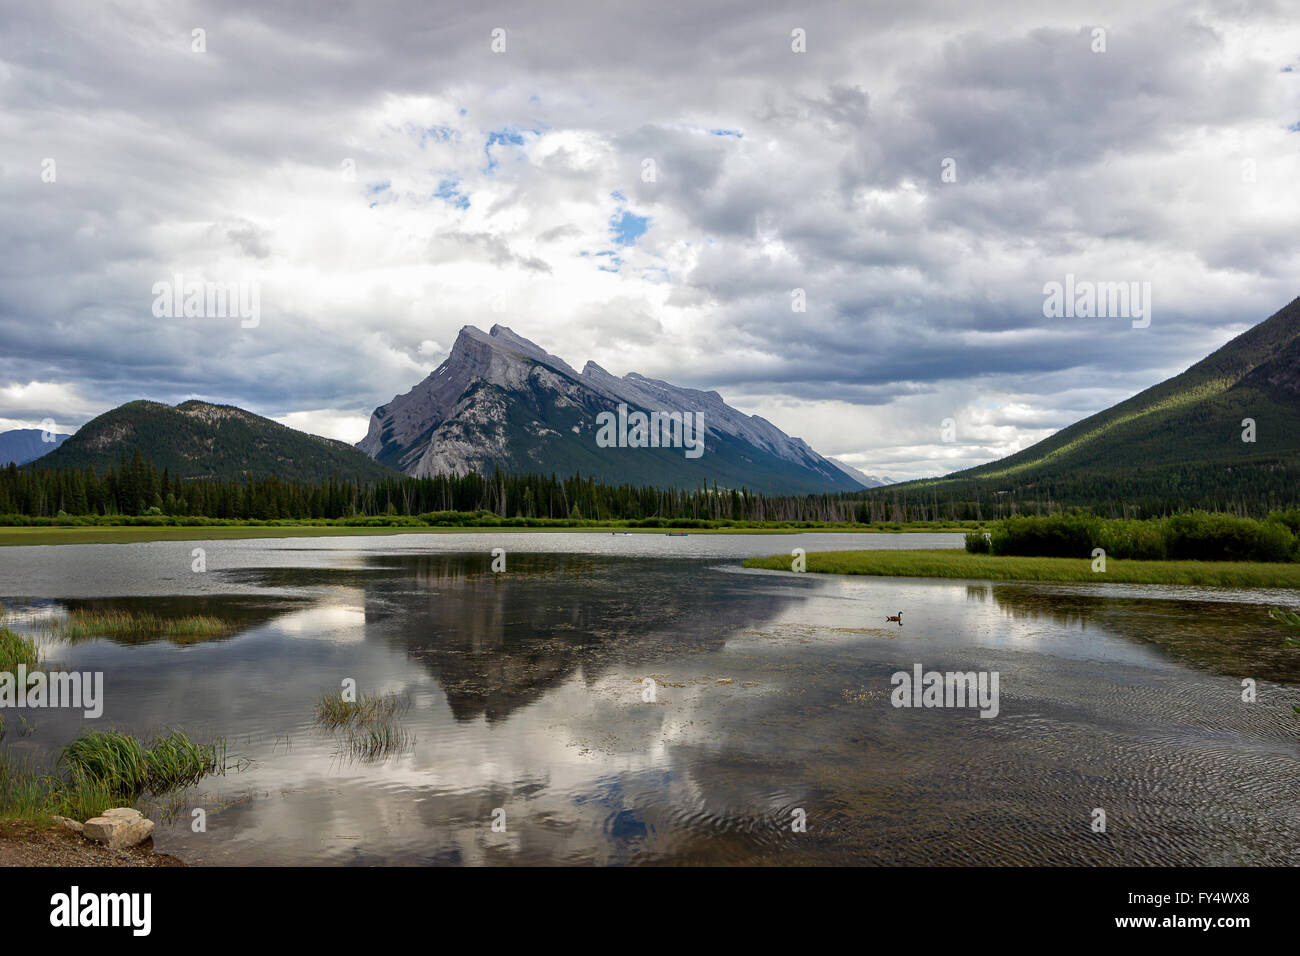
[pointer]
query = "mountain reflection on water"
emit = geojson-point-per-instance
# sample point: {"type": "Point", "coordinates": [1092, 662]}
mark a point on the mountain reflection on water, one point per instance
{"type": "Point", "coordinates": [524, 694]}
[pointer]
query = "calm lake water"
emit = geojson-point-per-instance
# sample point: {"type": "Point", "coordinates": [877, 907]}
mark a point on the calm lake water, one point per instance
{"type": "Point", "coordinates": [523, 697]}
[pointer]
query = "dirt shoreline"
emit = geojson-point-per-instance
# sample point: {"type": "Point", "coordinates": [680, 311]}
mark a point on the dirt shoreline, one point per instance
{"type": "Point", "coordinates": [22, 844]}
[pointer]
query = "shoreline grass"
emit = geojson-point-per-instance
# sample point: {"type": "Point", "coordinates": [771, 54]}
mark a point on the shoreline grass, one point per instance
{"type": "Point", "coordinates": [44, 535]}
{"type": "Point", "coordinates": [123, 765]}
{"type": "Point", "coordinates": [104, 769]}
{"type": "Point", "coordinates": [962, 564]}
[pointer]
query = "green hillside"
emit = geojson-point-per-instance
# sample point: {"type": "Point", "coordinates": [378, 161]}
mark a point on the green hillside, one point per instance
{"type": "Point", "coordinates": [1176, 445]}
{"type": "Point", "coordinates": [200, 440]}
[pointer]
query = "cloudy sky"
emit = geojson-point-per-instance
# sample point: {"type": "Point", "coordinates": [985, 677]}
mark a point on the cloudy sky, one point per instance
{"type": "Point", "coordinates": [645, 186]}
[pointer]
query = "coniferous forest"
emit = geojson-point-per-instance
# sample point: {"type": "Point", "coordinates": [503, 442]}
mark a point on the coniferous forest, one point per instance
{"type": "Point", "coordinates": [135, 487]}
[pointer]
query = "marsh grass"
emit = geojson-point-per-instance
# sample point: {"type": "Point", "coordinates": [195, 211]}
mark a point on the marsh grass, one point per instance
{"type": "Point", "coordinates": [126, 768]}
{"type": "Point", "coordinates": [961, 564]}
{"type": "Point", "coordinates": [16, 649]}
{"type": "Point", "coordinates": [82, 798]}
{"type": "Point", "coordinates": [110, 757]}
{"type": "Point", "coordinates": [107, 768]}
{"type": "Point", "coordinates": [24, 794]}
{"type": "Point", "coordinates": [176, 761]}
{"type": "Point", "coordinates": [35, 797]}
{"type": "Point", "coordinates": [368, 725]}
{"type": "Point", "coordinates": [81, 625]}
{"type": "Point", "coordinates": [376, 743]}
{"type": "Point", "coordinates": [333, 712]}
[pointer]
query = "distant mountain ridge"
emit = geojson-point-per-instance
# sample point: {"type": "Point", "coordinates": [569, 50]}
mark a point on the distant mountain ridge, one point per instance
{"type": "Point", "coordinates": [21, 445]}
{"type": "Point", "coordinates": [201, 440]}
{"type": "Point", "coordinates": [500, 401]}
{"type": "Point", "coordinates": [867, 481]}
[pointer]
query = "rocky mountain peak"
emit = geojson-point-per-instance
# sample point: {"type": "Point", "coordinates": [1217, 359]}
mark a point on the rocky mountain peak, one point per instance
{"type": "Point", "coordinates": [502, 401]}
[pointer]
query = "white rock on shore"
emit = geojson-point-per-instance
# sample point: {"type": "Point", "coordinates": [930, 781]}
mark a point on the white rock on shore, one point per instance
{"type": "Point", "coordinates": [118, 828]}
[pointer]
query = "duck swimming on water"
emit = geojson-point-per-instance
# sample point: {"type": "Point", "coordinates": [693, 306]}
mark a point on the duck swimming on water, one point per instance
{"type": "Point", "coordinates": [898, 619]}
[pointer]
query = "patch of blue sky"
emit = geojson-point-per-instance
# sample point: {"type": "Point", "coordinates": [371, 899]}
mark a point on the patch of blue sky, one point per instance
{"type": "Point", "coordinates": [436, 134]}
{"type": "Point", "coordinates": [627, 227]}
{"type": "Point", "coordinates": [727, 132]}
{"type": "Point", "coordinates": [377, 192]}
{"type": "Point", "coordinates": [449, 190]}
{"type": "Point", "coordinates": [507, 136]}
{"type": "Point", "coordinates": [500, 137]}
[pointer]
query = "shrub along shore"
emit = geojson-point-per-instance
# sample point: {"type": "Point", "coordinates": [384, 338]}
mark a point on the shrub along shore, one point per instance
{"type": "Point", "coordinates": [1196, 548]}
{"type": "Point", "coordinates": [1194, 536]}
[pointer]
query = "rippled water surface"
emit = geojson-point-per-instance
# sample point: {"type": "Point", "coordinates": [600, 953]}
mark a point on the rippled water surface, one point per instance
{"type": "Point", "coordinates": [523, 701]}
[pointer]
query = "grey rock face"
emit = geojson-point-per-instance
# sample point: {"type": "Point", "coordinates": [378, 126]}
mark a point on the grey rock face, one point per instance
{"type": "Point", "coordinates": [500, 401]}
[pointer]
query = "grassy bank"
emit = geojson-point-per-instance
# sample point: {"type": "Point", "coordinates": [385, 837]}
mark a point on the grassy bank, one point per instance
{"type": "Point", "coordinates": [961, 564]}
{"type": "Point", "coordinates": [127, 534]}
